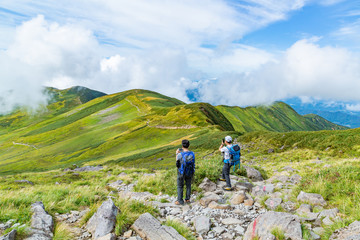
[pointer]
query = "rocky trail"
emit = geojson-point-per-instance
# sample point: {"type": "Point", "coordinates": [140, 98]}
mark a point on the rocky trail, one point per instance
{"type": "Point", "coordinates": [254, 209]}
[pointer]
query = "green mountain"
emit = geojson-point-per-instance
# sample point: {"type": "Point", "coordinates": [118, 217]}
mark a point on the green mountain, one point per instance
{"type": "Point", "coordinates": [278, 117]}
{"type": "Point", "coordinates": [131, 128]}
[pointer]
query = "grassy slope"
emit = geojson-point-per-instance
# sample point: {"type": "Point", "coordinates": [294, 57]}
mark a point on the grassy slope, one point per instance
{"type": "Point", "coordinates": [132, 125]}
{"type": "Point", "coordinates": [133, 128]}
{"type": "Point", "coordinates": [278, 117]}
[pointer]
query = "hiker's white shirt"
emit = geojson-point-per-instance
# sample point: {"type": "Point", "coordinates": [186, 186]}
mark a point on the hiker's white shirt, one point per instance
{"type": "Point", "coordinates": [226, 152]}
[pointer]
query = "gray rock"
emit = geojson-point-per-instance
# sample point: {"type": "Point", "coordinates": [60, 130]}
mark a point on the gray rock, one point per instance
{"type": "Point", "coordinates": [319, 230]}
{"type": "Point", "coordinates": [351, 232]}
{"type": "Point", "coordinates": [10, 236]}
{"type": "Point", "coordinates": [253, 174]}
{"type": "Point", "coordinates": [88, 169]}
{"type": "Point", "coordinates": [4, 226]}
{"type": "Point", "coordinates": [207, 185]}
{"type": "Point", "coordinates": [295, 178]}
{"type": "Point", "coordinates": [231, 221]}
{"type": "Point", "coordinates": [327, 221]}
{"type": "Point", "coordinates": [289, 206]}
{"type": "Point", "coordinates": [24, 181]}
{"type": "Point", "coordinates": [314, 236]}
{"type": "Point", "coordinates": [258, 191]}
{"type": "Point", "coordinates": [103, 221]}
{"type": "Point", "coordinates": [331, 213]}
{"type": "Point", "coordinates": [273, 203]}
{"type": "Point", "coordinates": [109, 236]}
{"type": "Point", "coordinates": [209, 198]}
{"type": "Point", "coordinates": [265, 223]}
{"type": "Point", "coordinates": [42, 224]}
{"type": "Point", "coordinates": [312, 198]}
{"type": "Point", "coordinates": [248, 186]}
{"type": "Point", "coordinates": [115, 184]}
{"type": "Point", "coordinates": [237, 198]}
{"type": "Point", "coordinates": [202, 224]}
{"type": "Point", "coordinates": [218, 230]}
{"type": "Point", "coordinates": [148, 227]}
{"type": "Point", "coordinates": [304, 209]}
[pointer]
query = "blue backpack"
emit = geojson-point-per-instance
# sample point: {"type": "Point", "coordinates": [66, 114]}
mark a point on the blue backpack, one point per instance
{"type": "Point", "coordinates": [187, 167]}
{"type": "Point", "coordinates": [235, 154]}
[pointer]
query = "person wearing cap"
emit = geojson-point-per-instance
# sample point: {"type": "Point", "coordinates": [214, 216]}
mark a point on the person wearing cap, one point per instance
{"type": "Point", "coordinates": [224, 149]}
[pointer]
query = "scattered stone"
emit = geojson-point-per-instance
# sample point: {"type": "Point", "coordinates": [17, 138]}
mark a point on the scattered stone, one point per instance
{"type": "Point", "coordinates": [289, 169]}
{"type": "Point", "coordinates": [148, 227]}
{"type": "Point", "coordinates": [128, 234]}
{"type": "Point", "coordinates": [231, 221]}
{"type": "Point", "coordinates": [207, 185]}
{"type": "Point", "coordinates": [273, 203]}
{"type": "Point", "coordinates": [215, 205]}
{"type": "Point", "coordinates": [351, 232]}
{"type": "Point", "coordinates": [218, 230]}
{"type": "Point", "coordinates": [327, 221]}
{"type": "Point", "coordinates": [318, 230]}
{"type": "Point", "coordinates": [264, 224]}
{"type": "Point", "coordinates": [253, 174]}
{"type": "Point", "coordinates": [312, 198]}
{"type": "Point", "coordinates": [331, 213]}
{"type": "Point", "coordinates": [304, 209]}
{"type": "Point", "coordinates": [88, 169]}
{"type": "Point", "coordinates": [314, 236]}
{"type": "Point", "coordinates": [10, 236]}
{"type": "Point", "coordinates": [202, 224]}
{"type": "Point", "coordinates": [295, 179]}
{"type": "Point", "coordinates": [24, 181]}
{"type": "Point", "coordinates": [115, 184]}
{"type": "Point", "coordinates": [248, 186]}
{"type": "Point", "coordinates": [103, 221]}
{"type": "Point", "coordinates": [249, 202]}
{"type": "Point", "coordinates": [271, 150]}
{"type": "Point", "coordinates": [42, 224]}
{"type": "Point", "coordinates": [289, 206]}
{"type": "Point", "coordinates": [109, 236]}
{"type": "Point", "coordinates": [209, 198]}
{"type": "Point", "coordinates": [237, 198]}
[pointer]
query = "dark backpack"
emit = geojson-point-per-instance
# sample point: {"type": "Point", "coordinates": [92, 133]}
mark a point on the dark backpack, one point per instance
{"type": "Point", "coordinates": [235, 154]}
{"type": "Point", "coordinates": [187, 167]}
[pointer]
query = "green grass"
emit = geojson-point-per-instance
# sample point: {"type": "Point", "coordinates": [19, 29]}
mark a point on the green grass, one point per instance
{"type": "Point", "coordinates": [278, 233]}
{"type": "Point", "coordinates": [181, 228]}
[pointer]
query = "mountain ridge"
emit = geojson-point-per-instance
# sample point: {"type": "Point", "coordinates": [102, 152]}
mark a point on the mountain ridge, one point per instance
{"type": "Point", "coordinates": [130, 128]}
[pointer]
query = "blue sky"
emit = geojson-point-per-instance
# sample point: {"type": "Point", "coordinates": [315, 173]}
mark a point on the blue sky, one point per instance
{"type": "Point", "coordinates": [229, 52]}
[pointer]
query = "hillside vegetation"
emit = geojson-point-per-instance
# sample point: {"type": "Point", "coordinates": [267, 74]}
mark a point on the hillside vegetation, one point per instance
{"type": "Point", "coordinates": [131, 128]}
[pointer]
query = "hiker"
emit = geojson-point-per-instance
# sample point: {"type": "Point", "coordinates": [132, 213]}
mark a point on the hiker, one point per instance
{"type": "Point", "coordinates": [231, 157]}
{"type": "Point", "coordinates": [185, 163]}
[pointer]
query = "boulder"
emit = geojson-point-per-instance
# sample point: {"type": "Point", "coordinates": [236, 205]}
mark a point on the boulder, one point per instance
{"type": "Point", "coordinates": [265, 223]}
{"type": "Point", "coordinates": [42, 224]}
{"type": "Point", "coordinates": [312, 198]}
{"type": "Point", "coordinates": [351, 232]}
{"type": "Point", "coordinates": [109, 236]}
{"type": "Point", "coordinates": [24, 181]}
{"type": "Point", "coordinates": [209, 198]}
{"type": "Point", "coordinates": [331, 213]}
{"type": "Point", "coordinates": [215, 205]}
{"type": "Point", "coordinates": [231, 221]}
{"type": "Point", "coordinates": [244, 186]}
{"type": "Point", "coordinates": [10, 236]}
{"type": "Point", "coordinates": [304, 209]}
{"type": "Point", "coordinates": [253, 174]}
{"type": "Point", "coordinates": [148, 227]}
{"type": "Point", "coordinates": [207, 185]}
{"type": "Point", "coordinates": [237, 198]}
{"type": "Point", "coordinates": [273, 203]}
{"type": "Point", "coordinates": [202, 224]}
{"type": "Point", "coordinates": [103, 221]}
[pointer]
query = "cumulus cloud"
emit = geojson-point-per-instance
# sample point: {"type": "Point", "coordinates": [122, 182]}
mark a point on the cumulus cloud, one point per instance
{"type": "Point", "coordinates": [305, 69]}
{"type": "Point", "coordinates": [353, 107]}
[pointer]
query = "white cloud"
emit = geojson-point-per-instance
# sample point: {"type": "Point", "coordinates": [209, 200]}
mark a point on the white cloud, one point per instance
{"type": "Point", "coordinates": [111, 64]}
{"type": "Point", "coordinates": [353, 107]}
{"type": "Point", "coordinates": [306, 69]}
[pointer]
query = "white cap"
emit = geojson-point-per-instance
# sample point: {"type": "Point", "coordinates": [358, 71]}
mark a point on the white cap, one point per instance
{"type": "Point", "coordinates": [228, 139]}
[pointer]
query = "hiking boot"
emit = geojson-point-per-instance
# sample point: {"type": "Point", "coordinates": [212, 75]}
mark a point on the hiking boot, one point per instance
{"type": "Point", "coordinates": [222, 179]}
{"type": "Point", "coordinates": [187, 201]}
{"type": "Point", "coordinates": [227, 188]}
{"type": "Point", "coordinates": [178, 203]}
